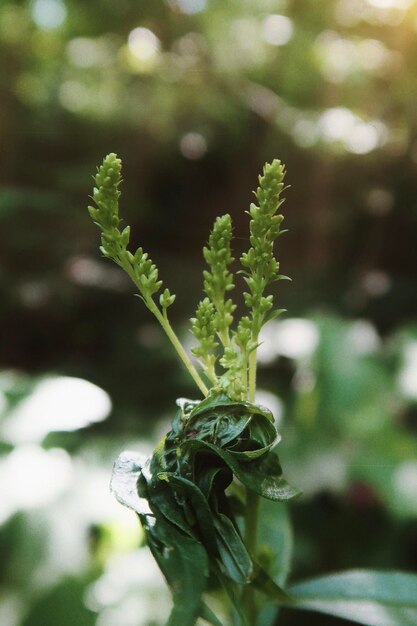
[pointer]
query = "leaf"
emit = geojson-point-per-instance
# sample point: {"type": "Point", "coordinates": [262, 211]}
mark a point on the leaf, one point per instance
{"type": "Point", "coordinates": [233, 553]}
{"type": "Point", "coordinates": [212, 403]}
{"type": "Point", "coordinates": [181, 558]}
{"type": "Point", "coordinates": [162, 500]}
{"type": "Point", "coordinates": [225, 422]}
{"type": "Point", "coordinates": [263, 582]}
{"type": "Point", "coordinates": [62, 604]}
{"type": "Point", "coordinates": [215, 403]}
{"type": "Point", "coordinates": [211, 478]}
{"type": "Point", "coordinates": [183, 561]}
{"type": "Point", "coordinates": [220, 428]}
{"type": "Point", "coordinates": [261, 433]}
{"type": "Point", "coordinates": [207, 614]}
{"type": "Point", "coordinates": [195, 498]}
{"type": "Point", "coordinates": [123, 484]}
{"type": "Point", "coordinates": [275, 547]}
{"type": "Point", "coordinates": [362, 596]}
{"type": "Point", "coordinates": [275, 539]}
{"type": "Point", "coordinates": [232, 591]}
{"type": "Point", "coordinates": [264, 476]}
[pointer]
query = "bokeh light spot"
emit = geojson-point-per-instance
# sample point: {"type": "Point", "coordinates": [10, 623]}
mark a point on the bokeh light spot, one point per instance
{"type": "Point", "coordinates": [33, 477]}
{"type": "Point", "coordinates": [189, 7]}
{"type": "Point", "coordinates": [59, 403]}
{"type": "Point", "coordinates": [408, 375]}
{"type": "Point", "coordinates": [74, 96]}
{"type": "Point", "coordinates": [193, 146]}
{"type": "Point", "coordinates": [143, 44]}
{"type": "Point", "coordinates": [49, 14]}
{"type": "Point", "coordinates": [293, 338]}
{"type": "Point", "coordinates": [277, 29]}
{"type": "Point", "coordinates": [363, 139]}
{"type": "Point", "coordinates": [339, 124]}
{"type": "Point", "coordinates": [271, 402]}
{"type": "Point", "coordinates": [376, 283]}
{"type": "Point", "coordinates": [391, 4]}
{"type": "Point", "coordinates": [88, 52]}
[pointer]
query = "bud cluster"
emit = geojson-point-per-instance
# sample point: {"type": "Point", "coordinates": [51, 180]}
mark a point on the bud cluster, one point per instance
{"type": "Point", "coordinates": [218, 280]}
{"type": "Point", "coordinates": [203, 327]}
{"type": "Point", "coordinates": [261, 267]}
{"type": "Point", "coordinates": [218, 343]}
{"type": "Point", "coordinates": [114, 241]}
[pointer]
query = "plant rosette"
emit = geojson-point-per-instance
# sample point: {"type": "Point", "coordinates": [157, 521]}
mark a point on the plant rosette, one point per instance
{"type": "Point", "coordinates": [187, 511]}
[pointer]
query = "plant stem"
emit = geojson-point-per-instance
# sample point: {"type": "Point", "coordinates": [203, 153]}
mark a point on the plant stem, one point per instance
{"type": "Point", "coordinates": [211, 373]}
{"type": "Point", "coordinates": [224, 337]}
{"type": "Point", "coordinates": [252, 509]}
{"type": "Point", "coordinates": [252, 375]}
{"type": "Point", "coordinates": [163, 320]}
{"type": "Point", "coordinates": [251, 533]}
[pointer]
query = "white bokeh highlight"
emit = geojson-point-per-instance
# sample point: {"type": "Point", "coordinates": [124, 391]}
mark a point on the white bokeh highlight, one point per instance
{"type": "Point", "coordinates": [294, 338]}
{"type": "Point", "coordinates": [57, 403]}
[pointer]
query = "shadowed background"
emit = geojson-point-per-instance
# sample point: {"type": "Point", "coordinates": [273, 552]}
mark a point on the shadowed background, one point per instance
{"type": "Point", "coordinates": [194, 96]}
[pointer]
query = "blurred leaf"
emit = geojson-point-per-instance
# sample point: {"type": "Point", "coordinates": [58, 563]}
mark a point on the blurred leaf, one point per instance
{"type": "Point", "coordinates": [365, 597]}
{"type": "Point", "coordinates": [63, 605]}
{"type": "Point", "coordinates": [275, 547]}
{"type": "Point", "coordinates": [207, 614]}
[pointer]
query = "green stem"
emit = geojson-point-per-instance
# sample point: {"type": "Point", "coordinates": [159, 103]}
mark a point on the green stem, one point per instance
{"type": "Point", "coordinates": [163, 320]}
{"type": "Point", "coordinates": [252, 506]}
{"type": "Point", "coordinates": [224, 338]}
{"type": "Point", "coordinates": [210, 372]}
{"type": "Point", "coordinates": [252, 375]}
{"type": "Point", "coordinates": [244, 376]}
{"type": "Point", "coordinates": [251, 534]}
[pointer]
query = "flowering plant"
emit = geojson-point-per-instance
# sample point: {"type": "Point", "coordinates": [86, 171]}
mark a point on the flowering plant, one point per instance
{"type": "Point", "coordinates": [198, 495]}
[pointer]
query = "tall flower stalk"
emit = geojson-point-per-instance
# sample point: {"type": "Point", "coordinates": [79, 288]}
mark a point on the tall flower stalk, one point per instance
{"type": "Point", "coordinates": [218, 343]}
{"type": "Point", "coordinates": [138, 265]}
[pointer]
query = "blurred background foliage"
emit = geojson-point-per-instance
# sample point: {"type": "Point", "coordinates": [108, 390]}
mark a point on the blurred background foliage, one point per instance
{"type": "Point", "coordinates": [195, 95]}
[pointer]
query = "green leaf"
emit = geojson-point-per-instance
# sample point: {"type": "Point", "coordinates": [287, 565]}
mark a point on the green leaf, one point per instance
{"type": "Point", "coordinates": [184, 563]}
{"type": "Point", "coordinates": [163, 501]}
{"type": "Point", "coordinates": [217, 530]}
{"type": "Point", "coordinates": [195, 499]}
{"type": "Point", "coordinates": [260, 438]}
{"type": "Point", "coordinates": [207, 614]}
{"type": "Point", "coordinates": [232, 550]}
{"type": "Point", "coordinates": [275, 539]}
{"type": "Point", "coordinates": [211, 478]}
{"type": "Point", "coordinates": [61, 604]}
{"type": "Point", "coordinates": [215, 402]}
{"type": "Point", "coordinates": [275, 547]}
{"type": "Point", "coordinates": [263, 582]}
{"type": "Point", "coordinates": [362, 596]}
{"type": "Point", "coordinates": [264, 476]}
{"type": "Point", "coordinates": [245, 429]}
{"type": "Point", "coordinates": [182, 559]}
{"type": "Point", "coordinates": [219, 427]}
{"type": "Point", "coordinates": [234, 596]}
